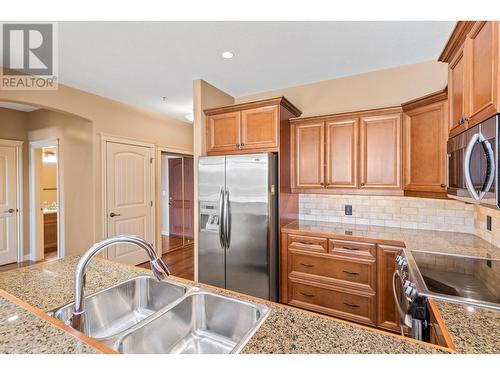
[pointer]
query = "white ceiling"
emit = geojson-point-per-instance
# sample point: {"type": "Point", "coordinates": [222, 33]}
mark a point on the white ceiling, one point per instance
{"type": "Point", "coordinates": [141, 62]}
{"type": "Point", "coordinates": [18, 106]}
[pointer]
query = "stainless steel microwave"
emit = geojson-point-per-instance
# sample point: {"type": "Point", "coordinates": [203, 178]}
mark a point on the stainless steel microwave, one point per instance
{"type": "Point", "coordinates": [473, 173]}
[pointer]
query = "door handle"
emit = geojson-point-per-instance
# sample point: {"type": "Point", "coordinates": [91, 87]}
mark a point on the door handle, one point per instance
{"type": "Point", "coordinates": [490, 157]}
{"type": "Point", "coordinates": [403, 316]}
{"type": "Point", "coordinates": [10, 211]}
{"type": "Point", "coordinates": [227, 219]}
{"type": "Point", "coordinates": [351, 304]}
{"type": "Point", "coordinates": [307, 294]}
{"type": "Point", "coordinates": [307, 265]}
{"type": "Point", "coordinates": [350, 248]}
{"type": "Point", "coordinates": [112, 214]}
{"type": "Point", "coordinates": [221, 218]}
{"type": "Point", "coordinates": [351, 273]}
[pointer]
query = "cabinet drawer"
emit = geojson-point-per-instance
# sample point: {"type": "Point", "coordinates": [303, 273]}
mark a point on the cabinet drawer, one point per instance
{"type": "Point", "coordinates": [359, 271]}
{"type": "Point", "coordinates": [352, 249]}
{"type": "Point", "coordinates": [316, 244]}
{"type": "Point", "coordinates": [337, 302]}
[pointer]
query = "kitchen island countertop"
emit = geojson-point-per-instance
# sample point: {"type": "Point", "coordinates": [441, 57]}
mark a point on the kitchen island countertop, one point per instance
{"type": "Point", "coordinates": [49, 285]}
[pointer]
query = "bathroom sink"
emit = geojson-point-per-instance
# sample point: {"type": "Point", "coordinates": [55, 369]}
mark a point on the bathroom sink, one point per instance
{"type": "Point", "coordinates": [116, 309]}
{"type": "Point", "coordinates": [202, 322]}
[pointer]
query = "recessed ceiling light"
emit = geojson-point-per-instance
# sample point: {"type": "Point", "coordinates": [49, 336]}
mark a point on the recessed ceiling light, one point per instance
{"type": "Point", "coordinates": [227, 55]}
{"type": "Point", "coordinates": [189, 117]}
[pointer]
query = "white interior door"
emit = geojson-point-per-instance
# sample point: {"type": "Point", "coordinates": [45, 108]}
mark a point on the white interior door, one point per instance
{"type": "Point", "coordinates": [8, 202]}
{"type": "Point", "coordinates": [129, 184]}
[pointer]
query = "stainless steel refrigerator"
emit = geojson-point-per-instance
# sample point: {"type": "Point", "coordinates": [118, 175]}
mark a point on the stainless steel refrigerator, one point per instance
{"type": "Point", "coordinates": [238, 205]}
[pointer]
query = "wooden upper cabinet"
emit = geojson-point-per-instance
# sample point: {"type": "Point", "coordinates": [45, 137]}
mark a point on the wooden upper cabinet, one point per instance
{"type": "Point", "coordinates": [425, 135]}
{"type": "Point", "coordinates": [342, 153]}
{"type": "Point", "coordinates": [259, 127]}
{"type": "Point", "coordinates": [456, 86]}
{"type": "Point", "coordinates": [248, 127]}
{"type": "Point", "coordinates": [482, 49]}
{"type": "Point", "coordinates": [223, 131]}
{"type": "Point", "coordinates": [308, 155]}
{"type": "Point", "coordinates": [472, 54]}
{"type": "Point", "coordinates": [380, 146]}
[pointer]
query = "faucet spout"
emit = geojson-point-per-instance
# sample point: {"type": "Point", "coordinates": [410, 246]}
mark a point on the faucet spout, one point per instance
{"type": "Point", "coordinates": [158, 266]}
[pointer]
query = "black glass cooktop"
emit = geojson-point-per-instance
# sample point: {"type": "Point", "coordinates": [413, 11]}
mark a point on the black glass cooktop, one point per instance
{"type": "Point", "coordinates": [476, 279]}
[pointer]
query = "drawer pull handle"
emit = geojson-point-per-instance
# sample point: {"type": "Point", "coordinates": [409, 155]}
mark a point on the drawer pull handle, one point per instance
{"type": "Point", "coordinates": [350, 248]}
{"type": "Point", "coordinates": [306, 243]}
{"type": "Point", "coordinates": [307, 265]}
{"type": "Point", "coordinates": [351, 304]}
{"type": "Point", "coordinates": [351, 273]}
{"type": "Point", "coordinates": [307, 294]}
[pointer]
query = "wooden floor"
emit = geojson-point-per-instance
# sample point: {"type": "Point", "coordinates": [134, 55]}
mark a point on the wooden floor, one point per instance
{"type": "Point", "coordinates": [11, 266]}
{"type": "Point", "coordinates": [180, 259]}
{"type": "Point", "coordinates": [171, 243]}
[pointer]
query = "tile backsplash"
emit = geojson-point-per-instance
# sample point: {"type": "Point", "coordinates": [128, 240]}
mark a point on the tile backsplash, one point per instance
{"type": "Point", "coordinates": [401, 212]}
{"type": "Point", "coordinates": [480, 214]}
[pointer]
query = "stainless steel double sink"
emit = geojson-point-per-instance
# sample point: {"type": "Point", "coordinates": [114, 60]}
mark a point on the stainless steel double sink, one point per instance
{"type": "Point", "coordinates": [143, 315]}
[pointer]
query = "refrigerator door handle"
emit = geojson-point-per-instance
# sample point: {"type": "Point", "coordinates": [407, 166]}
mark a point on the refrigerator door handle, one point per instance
{"type": "Point", "coordinates": [221, 217]}
{"type": "Point", "coordinates": [227, 220]}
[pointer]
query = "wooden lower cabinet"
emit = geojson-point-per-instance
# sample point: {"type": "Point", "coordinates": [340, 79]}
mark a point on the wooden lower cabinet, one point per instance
{"type": "Point", "coordinates": [387, 316]}
{"type": "Point", "coordinates": [350, 280]}
{"type": "Point", "coordinates": [50, 232]}
{"type": "Point", "coordinates": [340, 302]}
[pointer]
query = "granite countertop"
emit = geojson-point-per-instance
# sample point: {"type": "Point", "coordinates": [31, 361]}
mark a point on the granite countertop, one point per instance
{"type": "Point", "coordinates": [413, 239]}
{"type": "Point", "coordinates": [22, 332]}
{"type": "Point", "coordinates": [472, 329]}
{"type": "Point", "coordinates": [287, 330]}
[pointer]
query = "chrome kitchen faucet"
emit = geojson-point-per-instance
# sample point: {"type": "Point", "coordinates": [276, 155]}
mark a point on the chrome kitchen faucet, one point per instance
{"type": "Point", "coordinates": [160, 270]}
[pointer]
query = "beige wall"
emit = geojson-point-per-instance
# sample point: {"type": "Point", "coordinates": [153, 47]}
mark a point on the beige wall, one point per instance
{"type": "Point", "coordinates": [382, 88]}
{"type": "Point", "coordinates": [204, 96]}
{"type": "Point", "coordinates": [76, 174]}
{"type": "Point", "coordinates": [102, 116]}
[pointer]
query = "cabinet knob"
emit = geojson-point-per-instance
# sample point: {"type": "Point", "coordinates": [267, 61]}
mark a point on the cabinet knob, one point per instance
{"type": "Point", "coordinates": [362, 184]}
{"type": "Point", "coordinates": [443, 186]}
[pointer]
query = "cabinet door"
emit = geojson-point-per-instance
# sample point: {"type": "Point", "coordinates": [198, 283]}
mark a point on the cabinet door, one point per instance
{"type": "Point", "coordinates": [342, 153]}
{"type": "Point", "coordinates": [387, 314]}
{"type": "Point", "coordinates": [223, 132]}
{"type": "Point", "coordinates": [482, 52]}
{"type": "Point", "coordinates": [259, 128]}
{"type": "Point", "coordinates": [425, 136]}
{"type": "Point", "coordinates": [456, 97]}
{"type": "Point", "coordinates": [308, 158]}
{"type": "Point", "coordinates": [381, 151]}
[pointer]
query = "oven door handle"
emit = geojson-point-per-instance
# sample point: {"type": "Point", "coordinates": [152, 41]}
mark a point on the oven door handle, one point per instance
{"type": "Point", "coordinates": [404, 316]}
{"type": "Point", "coordinates": [490, 162]}
{"type": "Point", "coordinates": [468, 155]}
